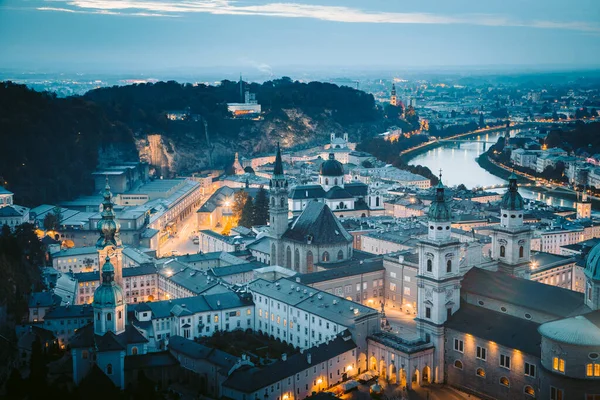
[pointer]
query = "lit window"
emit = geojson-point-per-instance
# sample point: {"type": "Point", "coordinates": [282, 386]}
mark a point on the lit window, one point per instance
{"type": "Point", "coordinates": [480, 372]}
{"type": "Point", "coordinates": [505, 361]}
{"type": "Point", "coordinates": [458, 364]}
{"type": "Point", "coordinates": [528, 390]}
{"type": "Point", "coordinates": [459, 345]}
{"type": "Point", "coordinates": [481, 353]}
{"type": "Point", "coordinates": [593, 369]}
{"type": "Point", "coordinates": [558, 364]}
{"type": "Point", "coordinates": [556, 394]}
{"type": "Point", "coordinates": [504, 381]}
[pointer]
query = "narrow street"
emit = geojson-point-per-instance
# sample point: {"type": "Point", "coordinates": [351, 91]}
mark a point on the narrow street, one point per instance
{"type": "Point", "coordinates": [182, 242]}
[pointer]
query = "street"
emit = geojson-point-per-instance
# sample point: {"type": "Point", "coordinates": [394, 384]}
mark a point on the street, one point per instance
{"type": "Point", "coordinates": [182, 243]}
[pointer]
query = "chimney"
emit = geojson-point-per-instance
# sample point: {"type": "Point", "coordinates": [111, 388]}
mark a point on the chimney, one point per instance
{"type": "Point", "coordinates": [284, 357]}
{"type": "Point", "coordinates": [297, 279]}
{"type": "Point", "coordinates": [308, 358]}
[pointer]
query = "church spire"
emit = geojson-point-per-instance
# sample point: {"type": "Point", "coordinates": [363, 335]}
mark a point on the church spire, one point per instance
{"type": "Point", "coordinates": [278, 170]}
{"type": "Point", "coordinates": [108, 227]}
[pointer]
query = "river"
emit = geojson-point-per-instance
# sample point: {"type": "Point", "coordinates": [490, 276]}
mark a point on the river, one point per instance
{"type": "Point", "coordinates": [457, 160]}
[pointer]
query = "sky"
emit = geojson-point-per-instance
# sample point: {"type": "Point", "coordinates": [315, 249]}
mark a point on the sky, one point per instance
{"type": "Point", "coordinates": [271, 35]}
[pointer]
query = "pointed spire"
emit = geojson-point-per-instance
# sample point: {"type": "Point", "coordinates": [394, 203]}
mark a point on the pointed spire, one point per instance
{"type": "Point", "coordinates": [108, 227]}
{"type": "Point", "coordinates": [278, 170]}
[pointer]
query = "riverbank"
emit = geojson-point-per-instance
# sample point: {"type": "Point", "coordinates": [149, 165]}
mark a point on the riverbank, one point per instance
{"type": "Point", "coordinates": [504, 172]}
{"type": "Point", "coordinates": [411, 153]}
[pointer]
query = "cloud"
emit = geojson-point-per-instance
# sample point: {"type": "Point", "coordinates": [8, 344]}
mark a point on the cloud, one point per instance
{"type": "Point", "coordinates": [156, 8]}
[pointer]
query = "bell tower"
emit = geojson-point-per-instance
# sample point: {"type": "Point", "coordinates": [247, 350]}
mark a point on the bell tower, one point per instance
{"type": "Point", "coordinates": [438, 279]}
{"type": "Point", "coordinates": [583, 205]}
{"type": "Point", "coordinates": [393, 98]}
{"type": "Point", "coordinates": [511, 240]}
{"type": "Point", "coordinates": [278, 209]}
{"type": "Point", "coordinates": [109, 243]}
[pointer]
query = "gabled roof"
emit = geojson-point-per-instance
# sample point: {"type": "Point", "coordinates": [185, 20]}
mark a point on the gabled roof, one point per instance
{"type": "Point", "coordinates": [249, 380]}
{"type": "Point", "coordinates": [150, 360]}
{"type": "Point", "coordinates": [199, 351]}
{"type": "Point", "coordinates": [504, 329]}
{"type": "Point", "coordinates": [533, 295]}
{"type": "Point", "coordinates": [85, 337]}
{"type": "Point", "coordinates": [12, 211]}
{"type": "Point", "coordinates": [318, 222]}
{"type": "Point", "coordinates": [342, 272]}
{"type": "Point", "coordinates": [307, 192]}
{"type": "Point", "coordinates": [356, 188]}
{"type": "Point", "coordinates": [337, 192]}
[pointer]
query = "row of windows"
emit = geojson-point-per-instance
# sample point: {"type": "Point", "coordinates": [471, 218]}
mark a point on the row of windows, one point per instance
{"type": "Point", "coordinates": [504, 360]}
{"type": "Point", "coordinates": [504, 381]}
{"type": "Point", "coordinates": [448, 266]}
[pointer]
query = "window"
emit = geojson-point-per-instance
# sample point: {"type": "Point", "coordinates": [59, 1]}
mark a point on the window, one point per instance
{"type": "Point", "coordinates": [480, 372]}
{"type": "Point", "coordinates": [406, 278]}
{"type": "Point", "coordinates": [505, 361]}
{"type": "Point", "coordinates": [325, 256]}
{"type": "Point", "coordinates": [481, 353]}
{"type": "Point", "coordinates": [340, 255]}
{"type": "Point", "coordinates": [530, 370]}
{"type": "Point", "coordinates": [556, 394]}
{"type": "Point", "coordinates": [84, 354]}
{"type": "Point", "coordinates": [459, 345]}
{"type": "Point", "coordinates": [134, 351]}
{"type": "Point", "coordinates": [502, 251]}
{"type": "Point", "coordinates": [521, 252]}
{"type": "Point", "coordinates": [504, 381]}
{"type": "Point", "coordinates": [429, 265]}
{"type": "Point", "coordinates": [592, 369]}
{"type": "Point", "coordinates": [216, 319]}
{"type": "Point", "coordinates": [448, 313]}
{"type": "Point", "coordinates": [528, 390]}
{"type": "Point", "coordinates": [392, 274]}
{"type": "Point", "coordinates": [449, 266]}
{"type": "Point", "coordinates": [109, 369]}
{"type": "Point", "coordinates": [109, 317]}
{"type": "Point", "coordinates": [427, 312]}
{"type": "Point", "coordinates": [558, 364]}
{"type": "Point", "coordinates": [458, 364]}
{"type": "Point", "coordinates": [392, 287]}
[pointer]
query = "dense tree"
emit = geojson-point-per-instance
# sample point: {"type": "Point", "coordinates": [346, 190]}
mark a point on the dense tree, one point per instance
{"type": "Point", "coordinates": [239, 201]}
{"type": "Point", "coordinates": [481, 120]}
{"type": "Point", "coordinates": [52, 219]}
{"type": "Point", "coordinates": [261, 208]}
{"type": "Point", "coordinates": [14, 385]}
{"type": "Point", "coordinates": [247, 216]}
{"type": "Point", "coordinates": [38, 371]}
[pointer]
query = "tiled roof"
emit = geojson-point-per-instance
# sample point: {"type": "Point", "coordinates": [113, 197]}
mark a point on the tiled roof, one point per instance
{"type": "Point", "coordinates": [506, 330]}
{"type": "Point", "coordinates": [581, 330]}
{"type": "Point", "coordinates": [342, 272]}
{"type": "Point", "coordinates": [199, 351]}
{"type": "Point", "coordinates": [248, 380]}
{"type": "Point", "coordinates": [307, 192]}
{"type": "Point", "coordinates": [317, 221]}
{"type": "Point", "coordinates": [337, 192]}
{"type": "Point", "coordinates": [548, 299]}
{"type": "Point", "coordinates": [150, 360]}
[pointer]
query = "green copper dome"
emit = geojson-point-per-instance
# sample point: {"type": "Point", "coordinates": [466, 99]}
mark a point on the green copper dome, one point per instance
{"type": "Point", "coordinates": [108, 226]}
{"type": "Point", "coordinates": [108, 294]}
{"type": "Point", "coordinates": [592, 264]}
{"type": "Point", "coordinates": [512, 200]}
{"type": "Point", "coordinates": [439, 210]}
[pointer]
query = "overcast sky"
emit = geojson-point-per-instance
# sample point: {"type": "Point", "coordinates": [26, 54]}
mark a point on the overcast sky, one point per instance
{"type": "Point", "coordinates": [110, 35]}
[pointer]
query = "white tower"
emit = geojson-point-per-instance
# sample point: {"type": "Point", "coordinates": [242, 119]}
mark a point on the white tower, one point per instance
{"type": "Point", "coordinates": [511, 240]}
{"type": "Point", "coordinates": [438, 280]}
{"type": "Point", "coordinates": [278, 210]}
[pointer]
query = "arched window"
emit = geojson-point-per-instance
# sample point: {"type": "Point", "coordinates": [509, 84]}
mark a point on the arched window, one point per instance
{"type": "Point", "coordinates": [521, 251]}
{"type": "Point", "coordinates": [297, 260]}
{"type": "Point", "coordinates": [109, 317]}
{"type": "Point", "coordinates": [449, 266]}
{"type": "Point", "coordinates": [120, 315]}
{"type": "Point", "coordinates": [458, 364]}
{"type": "Point", "coordinates": [504, 381]}
{"type": "Point", "coordinates": [325, 256]}
{"type": "Point", "coordinates": [377, 201]}
{"type": "Point", "coordinates": [327, 181]}
{"type": "Point", "coordinates": [273, 201]}
{"type": "Point", "coordinates": [335, 181]}
{"type": "Point", "coordinates": [109, 369]}
{"type": "Point", "coordinates": [502, 251]}
{"type": "Point", "coordinates": [134, 351]}
{"type": "Point", "coordinates": [528, 390]}
{"type": "Point", "coordinates": [98, 316]}
{"type": "Point", "coordinates": [480, 372]}
{"type": "Point", "coordinates": [282, 202]}
{"type": "Point", "coordinates": [288, 257]}
{"type": "Point", "coordinates": [429, 265]}
{"type": "Point", "coordinates": [340, 255]}
{"type": "Point", "coordinates": [341, 206]}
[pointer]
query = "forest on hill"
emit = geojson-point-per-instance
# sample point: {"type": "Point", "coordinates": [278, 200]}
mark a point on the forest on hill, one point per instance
{"type": "Point", "coordinates": [51, 145]}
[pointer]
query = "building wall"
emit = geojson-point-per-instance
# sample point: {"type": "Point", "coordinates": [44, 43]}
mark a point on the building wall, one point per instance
{"type": "Point", "coordinates": [64, 328]}
{"type": "Point", "coordinates": [561, 276]}
{"type": "Point", "coordinates": [376, 245]}
{"type": "Point", "coordinates": [75, 263]}
{"type": "Point", "coordinates": [367, 289]}
{"type": "Point", "coordinates": [141, 288]}
{"type": "Point", "coordinates": [400, 285]}
{"type": "Point", "coordinates": [467, 378]}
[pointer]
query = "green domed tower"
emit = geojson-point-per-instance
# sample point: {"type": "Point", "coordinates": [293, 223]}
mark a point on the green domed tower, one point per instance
{"type": "Point", "coordinates": [109, 303]}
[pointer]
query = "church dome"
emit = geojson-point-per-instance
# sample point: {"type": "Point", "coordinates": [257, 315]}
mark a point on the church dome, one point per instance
{"type": "Point", "coordinates": [439, 210]}
{"type": "Point", "coordinates": [108, 294]}
{"type": "Point", "coordinates": [577, 330]}
{"type": "Point", "coordinates": [592, 264]}
{"type": "Point", "coordinates": [512, 199]}
{"type": "Point", "coordinates": [332, 167]}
